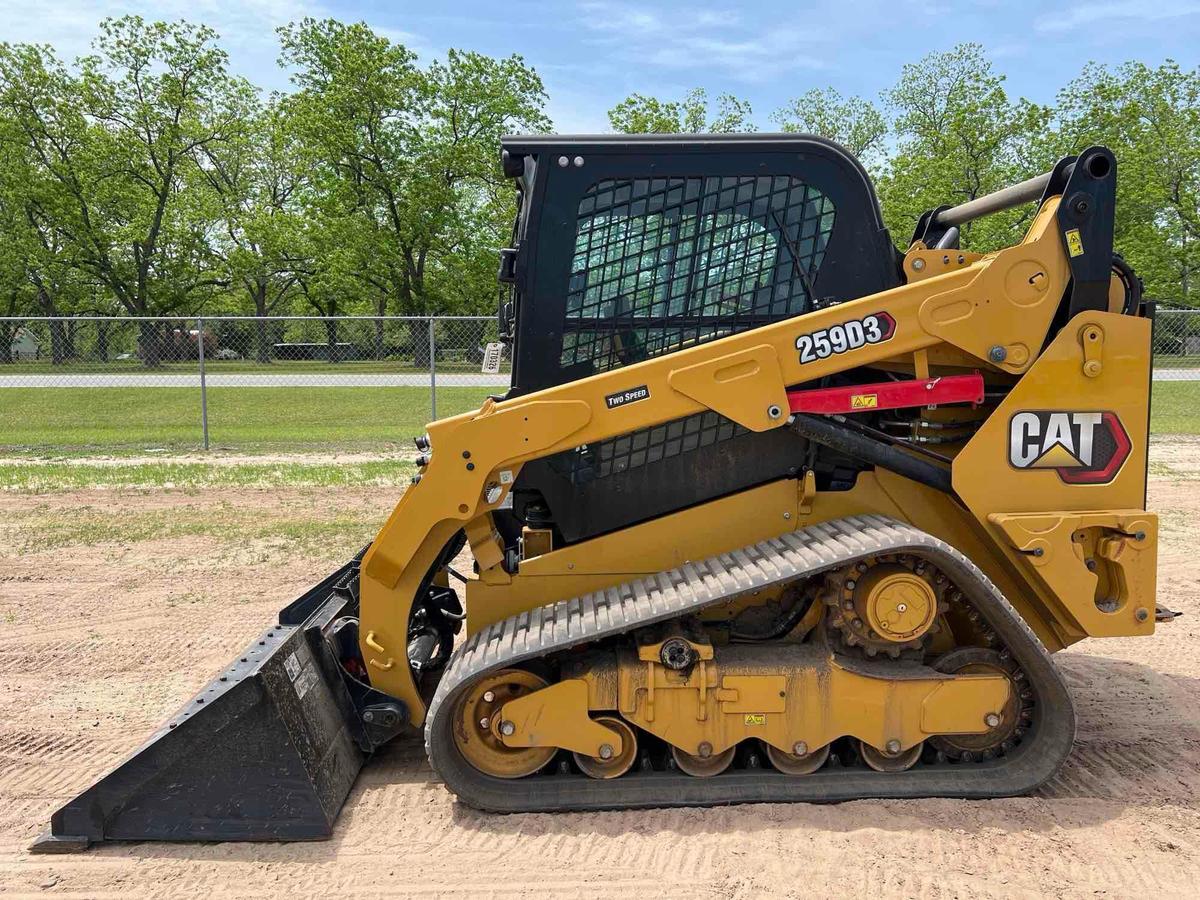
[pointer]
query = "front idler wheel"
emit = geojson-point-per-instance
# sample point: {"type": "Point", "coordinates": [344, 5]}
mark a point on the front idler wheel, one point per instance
{"type": "Point", "coordinates": [477, 726]}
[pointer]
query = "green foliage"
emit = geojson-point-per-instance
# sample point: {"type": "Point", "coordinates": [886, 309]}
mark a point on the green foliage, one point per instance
{"type": "Point", "coordinates": [638, 114]}
{"type": "Point", "coordinates": [853, 122]}
{"type": "Point", "coordinates": [114, 144]}
{"type": "Point", "coordinates": [1150, 118]}
{"type": "Point", "coordinates": [144, 178]}
{"type": "Point", "coordinates": [404, 182]}
{"type": "Point", "coordinates": [958, 137]}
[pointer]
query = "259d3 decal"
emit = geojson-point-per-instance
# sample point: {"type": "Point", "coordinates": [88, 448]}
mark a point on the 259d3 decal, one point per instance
{"type": "Point", "coordinates": [873, 329]}
{"type": "Point", "coordinates": [1081, 447]}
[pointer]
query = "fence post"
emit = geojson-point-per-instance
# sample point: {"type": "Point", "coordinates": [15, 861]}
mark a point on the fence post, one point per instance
{"type": "Point", "coordinates": [432, 373]}
{"type": "Point", "coordinates": [203, 385]}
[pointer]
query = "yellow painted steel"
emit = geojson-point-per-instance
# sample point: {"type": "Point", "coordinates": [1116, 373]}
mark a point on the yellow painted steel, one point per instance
{"type": "Point", "coordinates": [655, 546]}
{"type": "Point", "coordinates": [754, 515]}
{"type": "Point", "coordinates": [899, 605]}
{"type": "Point", "coordinates": [1100, 566]}
{"type": "Point", "coordinates": [799, 693]}
{"type": "Point", "coordinates": [787, 695]}
{"type": "Point", "coordinates": [1031, 510]}
{"type": "Point", "coordinates": [1006, 300]}
{"type": "Point", "coordinates": [557, 716]}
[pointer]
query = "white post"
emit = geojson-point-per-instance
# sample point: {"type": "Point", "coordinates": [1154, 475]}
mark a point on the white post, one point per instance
{"type": "Point", "coordinates": [432, 373]}
{"type": "Point", "coordinates": [203, 385]}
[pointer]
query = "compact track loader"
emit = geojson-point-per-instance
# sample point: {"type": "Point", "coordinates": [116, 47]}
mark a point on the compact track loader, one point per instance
{"type": "Point", "coordinates": [771, 512]}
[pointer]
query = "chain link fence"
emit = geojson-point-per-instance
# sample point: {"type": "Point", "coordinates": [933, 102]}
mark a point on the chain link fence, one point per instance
{"type": "Point", "coordinates": [1177, 344]}
{"type": "Point", "coordinates": [84, 384]}
{"type": "Point", "coordinates": [105, 381]}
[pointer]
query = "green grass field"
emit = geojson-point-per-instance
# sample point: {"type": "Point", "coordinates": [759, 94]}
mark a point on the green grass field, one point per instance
{"type": "Point", "coordinates": [1175, 407]}
{"type": "Point", "coordinates": [127, 421]}
{"type": "Point", "coordinates": [80, 421]}
{"type": "Point", "coordinates": [1173, 361]}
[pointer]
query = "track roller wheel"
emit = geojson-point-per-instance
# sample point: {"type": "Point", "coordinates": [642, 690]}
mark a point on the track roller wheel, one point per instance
{"type": "Point", "coordinates": [615, 766]}
{"type": "Point", "coordinates": [703, 766]}
{"type": "Point", "coordinates": [882, 761]}
{"type": "Point", "coordinates": [476, 726]}
{"type": "Point", "coordinates": [803, 763]}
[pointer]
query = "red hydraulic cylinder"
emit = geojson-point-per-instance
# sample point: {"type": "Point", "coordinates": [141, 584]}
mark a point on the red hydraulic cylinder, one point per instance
{"type": "Point", "coordinates": [888, 395]}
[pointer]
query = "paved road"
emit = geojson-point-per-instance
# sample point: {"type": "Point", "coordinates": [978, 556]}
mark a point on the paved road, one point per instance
{"type": "Point", "coordinates": [1177, 374]}
{"type": "Point", "coordinates": [254, 379]}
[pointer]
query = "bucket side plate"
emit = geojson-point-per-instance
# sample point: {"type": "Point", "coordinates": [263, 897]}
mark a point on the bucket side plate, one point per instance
{"type": "Point", "coordinates": [264, 752]}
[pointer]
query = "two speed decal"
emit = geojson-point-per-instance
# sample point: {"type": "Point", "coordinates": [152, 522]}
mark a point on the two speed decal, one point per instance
{"type": "Point", "coordinates": [624, 398]}
{"type": "Point", "coordinates": [873, 329]}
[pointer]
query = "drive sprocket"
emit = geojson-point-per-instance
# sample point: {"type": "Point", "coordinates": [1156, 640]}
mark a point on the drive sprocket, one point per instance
{"type": "Point", "coordinates": [885, 605]}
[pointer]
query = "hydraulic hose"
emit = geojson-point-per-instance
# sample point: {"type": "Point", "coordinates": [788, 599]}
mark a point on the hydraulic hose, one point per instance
{"type": "Point", "coordinates": [843, 440]}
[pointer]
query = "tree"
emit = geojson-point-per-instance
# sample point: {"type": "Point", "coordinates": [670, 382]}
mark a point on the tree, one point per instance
{"type": "Point", "coordinates": [403, 161]}
{"type": "Point", "coordinates": [255, 179]}
{"type": "Point", "coordinates": [35, 261]}
{"type": "Point", "coordinates": [853, 122]}
{"type": "Point", "coordinates": [15, 249]}
{"type": "Point", "coordinates": [958, 137]}
{"type": "Point", "coordinates": [118, 142]}
{"type": "Point", "coordinates": [639, 114]}
{"type": "Point", "coordinates": [1150, 118]}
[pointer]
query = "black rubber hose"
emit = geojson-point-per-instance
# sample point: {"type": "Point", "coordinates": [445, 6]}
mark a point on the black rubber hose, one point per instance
{"type": "Point", "coordinates": [1133, 285]}
{"type": "Point", "coordinates": [878, 454]}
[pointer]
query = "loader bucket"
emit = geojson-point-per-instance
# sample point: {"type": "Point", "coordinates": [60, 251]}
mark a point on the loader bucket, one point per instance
{"type": "Point", "coordinates": [267, 751]}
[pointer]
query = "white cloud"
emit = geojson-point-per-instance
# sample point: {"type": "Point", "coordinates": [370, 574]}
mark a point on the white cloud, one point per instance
{"type": "Point", "coordinates": [715, 39]}
{"type": "Point", "coordinates": [247, 27]}
{"type": "Point", "coordinates": [1119, 10]}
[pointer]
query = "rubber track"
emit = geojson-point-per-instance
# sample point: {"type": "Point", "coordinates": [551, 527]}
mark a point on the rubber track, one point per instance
{"type": "Point", "coordinates": [693, 586]}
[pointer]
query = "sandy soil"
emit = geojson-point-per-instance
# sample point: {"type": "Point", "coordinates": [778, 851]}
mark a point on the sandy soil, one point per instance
{"type": "Point", "coordinates": [100, 641]}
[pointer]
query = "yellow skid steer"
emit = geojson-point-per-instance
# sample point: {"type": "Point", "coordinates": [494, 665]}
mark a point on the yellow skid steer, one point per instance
{"type": "Point", "coordinates": [771, 512]}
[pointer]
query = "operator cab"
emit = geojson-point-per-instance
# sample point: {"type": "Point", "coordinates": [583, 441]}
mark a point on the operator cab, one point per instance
{"type": "Point", "coordinates": [629, 247]}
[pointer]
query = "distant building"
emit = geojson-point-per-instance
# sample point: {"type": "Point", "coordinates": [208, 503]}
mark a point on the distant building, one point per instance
{"type": "Point", "coordinates": [25, 345]}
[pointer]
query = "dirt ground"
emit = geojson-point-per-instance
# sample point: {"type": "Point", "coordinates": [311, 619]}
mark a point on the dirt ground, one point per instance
{"type": "Point", "coordinates": [109, 626]}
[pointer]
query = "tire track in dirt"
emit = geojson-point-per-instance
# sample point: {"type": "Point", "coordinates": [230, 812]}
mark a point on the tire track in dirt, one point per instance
{"type": "Point", "coordinates": [1122, 819]}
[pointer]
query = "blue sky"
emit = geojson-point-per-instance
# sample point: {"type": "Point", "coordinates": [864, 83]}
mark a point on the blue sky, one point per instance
{"type": "Point", "coordinates": [592, 53]}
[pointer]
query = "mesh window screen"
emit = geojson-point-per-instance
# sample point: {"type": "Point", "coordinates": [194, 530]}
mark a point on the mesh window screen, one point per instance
{"type": "Point", "coordinates": [646, 446]}
{"type": "Point", "coordinates": [661, 263]}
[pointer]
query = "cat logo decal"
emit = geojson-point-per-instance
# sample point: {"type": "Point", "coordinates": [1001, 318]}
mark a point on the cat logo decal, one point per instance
{"type": "Point", "coordinates": [1082, 447]}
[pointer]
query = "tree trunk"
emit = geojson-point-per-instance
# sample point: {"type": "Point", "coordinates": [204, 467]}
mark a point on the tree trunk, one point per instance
{"type": "Point", "coordinates": [331, 337]}
{"type": "Point", "coordinates": [8, 331]}
{"type": "Point", "coordinates": [150, 344]}
{"type": "Point", "coordinates": [58, 342]}
{"type": "Point", "coordinates": [102, 341]}
{"type": "Point", "coordinates": [262, 337]}
{"type": "Point", "coordinates": [72, 330]}
{"type": "Point", "coordinates": [379, 352]}
{"type": "Point", "coordinates": [262, 341]}
{"type": "Point", "coordinates": [419, 329]}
